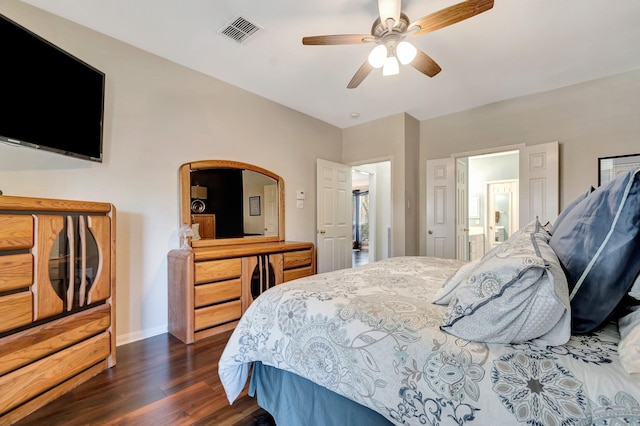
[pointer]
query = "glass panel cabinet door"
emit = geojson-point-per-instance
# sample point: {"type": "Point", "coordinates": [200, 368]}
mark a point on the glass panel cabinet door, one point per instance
{"type": "Point", "coordinates": [73, 262]}
{"type": "Point", "coordinates": [264, 271]}
{"type": "Point", "coordinates": [73, 256]}
{"type": "Point", "coordinates": [263, 276]}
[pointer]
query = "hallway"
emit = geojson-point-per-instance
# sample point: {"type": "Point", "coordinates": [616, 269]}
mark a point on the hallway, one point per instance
{"type": "Point", "coordinates": [360, 257]}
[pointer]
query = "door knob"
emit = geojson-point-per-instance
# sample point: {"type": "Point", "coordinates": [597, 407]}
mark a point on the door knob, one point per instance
{"type": "Point", "coordinates": [466, 229]}
{"type": "Point", "coordinates": [322, 231]}
{"type": "Point", "coordinates": [429, 232]}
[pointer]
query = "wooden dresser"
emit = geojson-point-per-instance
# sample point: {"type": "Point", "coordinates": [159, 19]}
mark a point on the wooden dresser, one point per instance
{"type": "Point", "coordinates": [211, 287]}
{"type": "Point", "coordinates": [242, 251]}
{"type": "Point", "coordinates": [57, 299]}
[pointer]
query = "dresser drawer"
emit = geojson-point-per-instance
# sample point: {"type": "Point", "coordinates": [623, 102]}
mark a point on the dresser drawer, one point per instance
{"type": "Point", "coordinates": [16, 310]}
{"type": "Point", "coordinates": [292, 274]}
{"type": "Point", "coordinates": [16, 232]}
{"type": "Point", "coordinates": [217, 314]}
{"type": "Point", "coordinates": [217, 270]}
{"type": "Point", "coordinates": [296, 259]}
{"type": "Point", "coordinates": [208, 294]}
{"type": "Point", "coordinates": [16, 271]}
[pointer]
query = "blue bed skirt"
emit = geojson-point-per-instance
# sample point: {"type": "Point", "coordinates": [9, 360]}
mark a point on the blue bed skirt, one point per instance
{"type": "Point", "coordinates": [293, 401]}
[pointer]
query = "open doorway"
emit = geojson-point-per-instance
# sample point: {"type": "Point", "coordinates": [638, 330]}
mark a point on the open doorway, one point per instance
{"type": "Point", "coordinates": [446, 209]}
{"type": "Point", "coordinates": [360, 226]}
{"type": "Point", "coordinates": [493, 200]}
{"type": "Point", "coordinates": [371, 197]}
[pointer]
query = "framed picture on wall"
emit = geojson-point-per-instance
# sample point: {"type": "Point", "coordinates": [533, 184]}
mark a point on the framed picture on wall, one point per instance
{"type": "Point", "coordinates": [254, 206]}
{"type": "Point", "coordinates": [610, 167]}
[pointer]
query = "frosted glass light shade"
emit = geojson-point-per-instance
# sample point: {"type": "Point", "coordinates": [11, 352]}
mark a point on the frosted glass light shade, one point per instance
{"type": "Point", "coordinates": [377, 56]}
{"type": "Point", "coordinates": [406, 52]}
{"type": "Point", "coordinates": [391, 66]}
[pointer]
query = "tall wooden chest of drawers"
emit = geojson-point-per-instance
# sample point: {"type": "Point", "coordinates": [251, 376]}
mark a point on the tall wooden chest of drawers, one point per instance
{"type": "Point", "coordinates": [57, 299]}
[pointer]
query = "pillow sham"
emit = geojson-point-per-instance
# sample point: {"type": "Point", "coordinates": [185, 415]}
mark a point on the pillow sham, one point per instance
{"type": "Point", "coordinates": [635, 288]}
{"type": "Point", "coordinates": [598, 246]}
{"type": "Point", "coordinates": [536, 227]}
{"type": "Point", "coordinates": [444, 295]}
{"type": "Point", "coordinates": [570, 207]}
{"type": "Point", "coordinates": [629, 346]}
{"type": "Point", "coordinates": [516, 293]}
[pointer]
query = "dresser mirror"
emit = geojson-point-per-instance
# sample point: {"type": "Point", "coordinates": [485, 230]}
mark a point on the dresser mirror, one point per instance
{"type": "Point", "coordinates": [229, 202]}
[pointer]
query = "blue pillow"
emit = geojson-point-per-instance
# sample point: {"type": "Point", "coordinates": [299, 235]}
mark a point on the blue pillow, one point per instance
{"type": "Point", "coordinates": [598, 245]}
{"type": "Point", "coordinates": [570, 207]}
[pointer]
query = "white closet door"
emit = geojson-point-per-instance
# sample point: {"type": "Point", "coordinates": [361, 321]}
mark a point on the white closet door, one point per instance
{"type": "Point", "coordinates": [539, 183]}
{"type": "Point", "coordinates": [441, 208]}
{"type": "Point", "coordinates": [334, 218]}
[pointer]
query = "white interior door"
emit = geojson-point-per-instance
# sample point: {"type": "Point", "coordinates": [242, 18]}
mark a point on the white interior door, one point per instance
{"type": "Point", "coordinates": [334, 216]}
{"type": "Point", "coordinates": [538, 195]}
{"type": "Point", "coordinates": [441, 205]}
{"type": "Point", "coordinates": [462, 208]}
{"type": "Point", "coordinates": [539, 183]}
{"type": "Point", "coordinates": [270, 210]}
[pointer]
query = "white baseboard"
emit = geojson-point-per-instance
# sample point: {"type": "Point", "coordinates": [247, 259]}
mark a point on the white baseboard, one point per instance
{"type": "Point", "coordinates": [139, 335]}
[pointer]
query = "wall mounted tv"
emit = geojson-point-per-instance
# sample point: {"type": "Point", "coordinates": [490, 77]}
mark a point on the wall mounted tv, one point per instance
{"type": "Point", "coordinates": [49, 99]}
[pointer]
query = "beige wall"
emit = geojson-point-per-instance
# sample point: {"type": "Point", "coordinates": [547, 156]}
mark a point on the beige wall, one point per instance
{"type": "Point", "coordinates": [159, 115]}
{"type": "Point", "coordinates": [393, 138]}
{"type": "Point", "coordinates": [589, 120]}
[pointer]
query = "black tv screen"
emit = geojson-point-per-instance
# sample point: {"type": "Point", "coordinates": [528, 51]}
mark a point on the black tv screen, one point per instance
{"type": "Point", "coordinates": [49, 99]}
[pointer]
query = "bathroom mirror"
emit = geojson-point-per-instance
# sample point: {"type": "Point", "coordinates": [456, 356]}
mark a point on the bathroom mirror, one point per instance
{"type": "Point", "coordinates": [229, 202]}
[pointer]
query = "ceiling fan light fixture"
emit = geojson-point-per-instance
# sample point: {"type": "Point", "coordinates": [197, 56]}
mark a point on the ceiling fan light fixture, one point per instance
{"type": "Point", "coordinates": [406, 52]}
{"type": "Point", "coordinates": [391, 66]}
{"type": "Point", "coordinates": [389, 9]}
{"type": "Point", "coordinates": [378, 56]}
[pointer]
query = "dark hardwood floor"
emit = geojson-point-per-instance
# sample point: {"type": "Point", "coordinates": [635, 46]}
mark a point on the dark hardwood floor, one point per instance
{"type": "Point", "coordinates": [156, 381]}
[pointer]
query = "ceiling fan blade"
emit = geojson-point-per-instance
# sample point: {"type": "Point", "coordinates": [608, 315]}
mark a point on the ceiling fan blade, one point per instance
{"type": "Point", "coordinates": [336, 39]}
{"type": "Point", "coordinates": [450, 15]}
{"type": "Point", "coordinates": [423, 63]}
{"type": "Point", "coordinates": [360, 75]}
{"type": "Point", "coordinates": [389, 9]}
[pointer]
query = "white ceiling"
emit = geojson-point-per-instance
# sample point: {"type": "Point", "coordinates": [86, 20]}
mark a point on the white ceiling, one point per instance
{"type": "Point", "coordinates": [517, 48]}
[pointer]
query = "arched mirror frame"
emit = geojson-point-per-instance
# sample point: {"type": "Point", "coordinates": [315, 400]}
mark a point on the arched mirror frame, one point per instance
{"type": "Point", "coordinates": [185, 200]}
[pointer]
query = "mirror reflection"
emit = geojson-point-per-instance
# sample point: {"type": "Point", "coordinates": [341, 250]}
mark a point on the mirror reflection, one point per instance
{"type": "Point", "coordinates": [233, 203]}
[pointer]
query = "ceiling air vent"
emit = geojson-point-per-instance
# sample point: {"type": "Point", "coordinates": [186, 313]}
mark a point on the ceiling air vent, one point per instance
{"type": "Point", "coordinates": [239, 29]}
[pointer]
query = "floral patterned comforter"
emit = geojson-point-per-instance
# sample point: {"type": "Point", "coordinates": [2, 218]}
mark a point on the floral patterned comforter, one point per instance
{"type": "Point", "coordinates": [372, 335]}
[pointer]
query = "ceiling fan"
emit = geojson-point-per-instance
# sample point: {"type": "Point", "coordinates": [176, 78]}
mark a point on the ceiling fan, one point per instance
{"type": "Point", "coordinates": [389, 31]}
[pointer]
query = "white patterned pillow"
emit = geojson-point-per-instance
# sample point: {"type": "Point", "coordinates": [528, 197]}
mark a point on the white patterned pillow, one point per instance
{"type": "Point", "coordinates": [517, 293]}
{"type": "Point", "coordinates": [536, 227]}
{"type": "Point", "coordinates": [629, 346]}
{"type": "Point", "coordinates": [444, 295]}
{"type": "Point", "coordinates": [635, 289]}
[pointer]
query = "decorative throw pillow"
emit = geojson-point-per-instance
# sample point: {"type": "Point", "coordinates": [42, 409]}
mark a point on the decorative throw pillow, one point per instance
{"type": "Point", "coordinates": [629, 346]}
{"type": "Point", "coordinates": [598, 245]}
{"type": "Point", "coordinates": [516, 293]}
{"type": "Point", "coordinates": [570, 207]}
{"type": "Point", "coordinates": [635, 289]}
{"type": "Point", "coordinates": [444, 295]}
{"type": "Point", "coordinates": [536, 227]}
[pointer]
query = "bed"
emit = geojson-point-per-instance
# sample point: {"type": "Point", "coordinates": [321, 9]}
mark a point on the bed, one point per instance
{"type": "Point", "coordinates": [526, 335]}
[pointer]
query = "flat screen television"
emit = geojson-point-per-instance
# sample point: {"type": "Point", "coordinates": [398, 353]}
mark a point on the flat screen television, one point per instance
{"type": "Point", "coordinates": [49, 99]}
